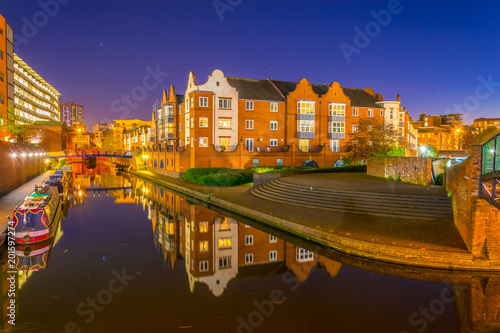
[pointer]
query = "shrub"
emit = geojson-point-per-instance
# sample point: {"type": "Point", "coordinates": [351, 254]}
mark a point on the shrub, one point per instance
{"type": "Point", "coordinates": [195, 173]}
{"type": "Point", "coordinates": [439, 179]}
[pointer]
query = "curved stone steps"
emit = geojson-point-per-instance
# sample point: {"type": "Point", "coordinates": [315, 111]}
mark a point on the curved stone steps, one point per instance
{"type": "Point", "coordinates": [357, 203]}
{"type": "Point", "coordinates": [427, 203]}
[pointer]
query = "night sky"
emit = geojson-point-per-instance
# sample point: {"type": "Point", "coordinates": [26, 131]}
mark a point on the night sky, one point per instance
{"type": "Point", "coordinates": [439, 55]}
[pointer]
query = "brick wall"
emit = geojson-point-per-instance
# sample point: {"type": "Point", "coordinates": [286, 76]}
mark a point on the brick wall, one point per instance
{"type": "Point", "coordinates": [15, 171]}
{"type": "Point", "coordinates": [416, 170]}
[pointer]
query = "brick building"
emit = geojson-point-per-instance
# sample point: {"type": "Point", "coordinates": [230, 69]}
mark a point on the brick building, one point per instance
{"type": "Point", "coordinates": [445, 132]}
{"type": "Point", "coordinates": [481, 124]}
{"type": "Point", "coordinates": [6, 73]}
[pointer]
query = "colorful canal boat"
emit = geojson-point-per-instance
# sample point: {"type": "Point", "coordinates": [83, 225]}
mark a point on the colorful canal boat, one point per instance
{"type": "Point", "coordinates": [34, 217]}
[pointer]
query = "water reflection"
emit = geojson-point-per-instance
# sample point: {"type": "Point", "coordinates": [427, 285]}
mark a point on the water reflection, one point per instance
{"type": "Point", "coordinates": [231, 258]}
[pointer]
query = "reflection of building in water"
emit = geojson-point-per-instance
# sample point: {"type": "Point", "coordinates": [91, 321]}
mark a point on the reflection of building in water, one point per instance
{"type": "Point", "coordinates": [217, 249]}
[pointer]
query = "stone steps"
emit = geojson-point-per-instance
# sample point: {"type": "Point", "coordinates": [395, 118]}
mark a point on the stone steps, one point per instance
{"type": "Point", "coordinates": [379, 204]}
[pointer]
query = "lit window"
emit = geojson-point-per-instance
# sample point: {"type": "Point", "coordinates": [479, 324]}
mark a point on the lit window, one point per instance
{"type": "Point", "coordinates": [305, 107]}
{"type": "Point", "coordinates": [249, 144]}
{"type": "Point", "coordinates": [203, 142]}
{"type": "Point", "coordinates": [249, 258]}
{"type": "Point", "coordinates": [225, 103]}
{"type": "Point", "coordinates": [274, 107]}
{"type": "Point", "coordinates": [355, 128]}
{"type": "Point", "coordinates": [274, 125]}
{"type": "Point", "coordinates": [304, 255]}
{"type": "Point", "coordinates": [203, 102]}
{"type": "Point", "coordinates": [204, 122]}
{"type": "Point", "coordinates": [273, 239]}
{"type": "Point", "coordinates": [336, 127]}
{"type": "Point", "coordinates": [203, 227]}
{"type": "Point", "coordinates": [204, 246]}
{"type": "Point", "coordinates": [249, 240]}
{"type": "Point", "coordinates": [336, 109]}
{"type": "Point", "coordinates": [203, 266]}
{"type": "Point", "coordinates": [273, 255]}
{"type": "Point", "coordinates": [192, 102]}
{"type": "Point", "coordinates": [249, 124]}
{"type": "Point", "coordinates": [225, 123]}
{"type": "Point", "coordinates": [224, 224]}
{"type": "Point", "coordinates": [192, 122]}
{"type": "Point", "coordinates": [225, 262]}
{"type": "Point", "coordinates": [305, 126]}
{"type": "Point", "coordinates": [370, 112]}
{"type": "Point", "coordinates": [334, 146]}
{"type": "Point", "coordinates": [224, 243]}
{"type": "Point", "coordinates": [249, 105]}
{"type": "Point", "coordinates": [274, 142]}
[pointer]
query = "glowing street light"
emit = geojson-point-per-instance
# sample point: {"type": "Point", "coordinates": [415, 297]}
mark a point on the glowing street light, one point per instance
{"type": "Point", "coordinates": [23, 154]}
{"type": "Point", "coordinates": [14, 155]}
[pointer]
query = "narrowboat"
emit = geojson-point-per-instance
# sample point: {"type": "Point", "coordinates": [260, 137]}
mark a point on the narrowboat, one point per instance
{"type": "Point", "coordinates": [34, 217]}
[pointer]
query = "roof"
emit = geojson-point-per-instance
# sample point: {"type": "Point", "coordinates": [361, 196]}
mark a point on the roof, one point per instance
{"type": "Point", "coordinates": [359, 97]}
{"type": "Point", "coordinates": [255, 89]}
{"type": "Point", "coordinates": [32, 72]}
{"type": "Point", "coordinates": [285, 87]}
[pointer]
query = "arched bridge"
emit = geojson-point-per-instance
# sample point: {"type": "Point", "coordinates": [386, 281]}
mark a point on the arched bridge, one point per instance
{"type": "Point", "coordinates": [89, 153]}
{"type": "Point", "coordinates": [489, 186]}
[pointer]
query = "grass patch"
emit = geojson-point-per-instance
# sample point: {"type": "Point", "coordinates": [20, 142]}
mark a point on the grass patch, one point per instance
{"type": "Point", "coordinates": [232, 177]}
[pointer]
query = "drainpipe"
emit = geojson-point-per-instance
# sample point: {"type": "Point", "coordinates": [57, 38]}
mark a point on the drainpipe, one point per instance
{"type": "Point", "coordinates": [320, 122]}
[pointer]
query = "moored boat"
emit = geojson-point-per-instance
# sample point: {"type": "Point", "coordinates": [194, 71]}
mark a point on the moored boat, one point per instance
{"type": "Point", "coordinates": [34, 217]}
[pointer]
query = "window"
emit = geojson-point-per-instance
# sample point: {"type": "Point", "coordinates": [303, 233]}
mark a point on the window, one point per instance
{"type": "Point", "coordinates": [303, 145]}
{"type": "Point", "coordinates": [225, 262]}
{"type": "Point", "coordinates": [370, 112]}
{"type": "Point", "coordinates": [401, 117]}
{"type": "Point", "coordinates": [180, 110]}
{"type": "Point", "coordinates": [225, 103]}
{"type": "Point", "coordinates": [1, 99]}
{"type": "Point", "coordinates": [1, 77]}
{"type": "Point", "coordinates": [304, 255]}
{"type": "Point", "coordinates": [180, 127]}
{"type": "Point", "coordinates": [280, 162]}
{"type": "Point", "coordinates": [224, 243]}
{"type": "Point", "coordinates": [273, 255]}
{"type": "Point", "coordinates": [255, 162]}
{"type": "Point", "coordinates": [305, 126]}
{"type": "Point", "coordinates": [274, 107]}
{"type": "Point", "coordinates": [274, 142]}
{"type": "Point", "coordinates": [305, 107]}
{"type": "Point", "coordinates": [355, 112]}
{"type": "Point", "coordinates": [249, 144]}
{"type": "Point", "coordinates": [334, 146]}
{"type": "Point", "coordinates": [249, 240]}
{"type": "Point", "coordinates": [336, 127]}
{"type": "Point", "coordinates": [336, 109]}
{"type": "Point", "coordinates": [203, 142]}
{"type": "Point", "coordinates": [225, 123]}
{"type": "Point", "coordinates": [355, 128]}
{"type": "Point", "coordinates": [1, 54]}
{"type": "Point", "coordinates": [192, 122]}
{"type": "Point", "coordinates": [192, 264]}
{"type": "Point", "coordinates": [274, 125]}
{"type": "Point", "coordinates": [391, 116]}
{"type": "Point", "coordinates": [249, 258]}
{"type": "Point", "coordinates": [204, 246]}
{"type": "Point", "coordinates": [224, 224]}
{"type": "Point", "coordinates": [203, 102]}
{"type": "Point", "coordinates": [204, 122]}
{"type": "Point", "coordinates": [249, 124]}
{"type": "Point", "coordinates": [203, 266]}
{"type": "Point", "coordinates": [381, 113]}
{"type": "Point", "coordinates": [273, 239]}
{"type": "Point", "coordinates": [225, 142]}
{"type": "Point", "coordinates": [203, 227]}
{"type": "Point", "coordinates": [249, 105]}
{"type": "Point", "coordinates": [192, 102]}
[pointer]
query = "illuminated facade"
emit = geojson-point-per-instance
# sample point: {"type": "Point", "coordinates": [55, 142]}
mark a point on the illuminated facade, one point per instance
{"type": "Point", "coordinates": [481, 124]}
{"type": "Point", "coordinates": [34, 98]}
{"type": "Point", "coordinates": [72, 114]}
{"type": "Point", "coordinates": [6, 71]}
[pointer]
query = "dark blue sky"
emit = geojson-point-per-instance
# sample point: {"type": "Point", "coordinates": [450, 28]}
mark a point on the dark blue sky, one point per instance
{"type": "Point", "coordinates": [439, 55]}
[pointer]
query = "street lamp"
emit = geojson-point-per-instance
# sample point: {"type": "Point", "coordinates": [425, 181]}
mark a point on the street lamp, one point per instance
{"type": "Point", "coordinates": [423, 150]}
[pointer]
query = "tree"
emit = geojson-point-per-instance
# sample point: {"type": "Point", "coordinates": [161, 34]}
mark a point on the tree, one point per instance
{"type": "Point", "coordinates": [10, 125]}
{"type": "Point", "coordinates": [429, 151]}
{"type": "Point", "coordinates": [372, 137]}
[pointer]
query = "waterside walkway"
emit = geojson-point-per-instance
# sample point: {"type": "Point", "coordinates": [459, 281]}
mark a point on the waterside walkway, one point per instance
{"type": "Point", "coordinates": [431, 242]}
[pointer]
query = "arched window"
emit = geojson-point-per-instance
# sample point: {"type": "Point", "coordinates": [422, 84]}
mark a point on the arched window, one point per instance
{"type": "Point", "coordinates": [162, 166]}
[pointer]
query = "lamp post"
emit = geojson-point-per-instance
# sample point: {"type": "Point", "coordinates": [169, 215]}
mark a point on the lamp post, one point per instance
{"type": "Point", "coordinates": [423, 150]}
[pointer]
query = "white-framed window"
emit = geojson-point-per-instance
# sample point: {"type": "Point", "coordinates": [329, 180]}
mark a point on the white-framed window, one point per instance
{"type": "Point", "coordinates": [304, 145]}
{"type": "Point", "coordinates": [336, 127]}
{"type": "Point", "coordinates": [355, 112]}
{"type": "Point", "coordinates": [355, 128]}
{"type": "Point", "coordinates": [273, 255]}
{"type": "Point", "coordinates": [203, 266]}
{"type": "Point", "coordinates": [249, 144]}
{"type": "Point", "coordinates": [304, 255]}
{"type": "Point", "coordinates": [203, 227]}
{"type": "Point", "coordinates": [273, 239]}
{"type": "Point", "coordinates": [225, 103]}
{"type": "Point", "coordinates": [204, 246]}
{"type": "Point", "coordinates": [274, 125]}
{"type": "Point", "coordinates": [391, 115]}
{"type": "Point", "coordinates": [204, 122]}
{"type": "Point", "coordinates": [249, 105]}
{"type": "Point", "coordinates": [305, 107]}
{"type": "Point", "coordinates": [381, 113]}
{"type": "Point", "coordinates": [370, 112]}
{"type": "Point", "coordinates": [305, 126]}
{"type": "Point", "coordinates": [203, 142]}
{"type": "Point", "coordinates": [225, 262]}
{"type": "Point", "coordinates": [225, 123]}
{"type": "Point", "coordinates": [249, 124]}
{"type": "Point", "coordinates": [180, 127]}
{"type": "Point", "coordinates": [401, 117]}
{"type": "Point", "coordinates": [248, 258]}
{"type": "Point", "coordinates": [274, 107]}
{"type": "Point", "coordinates": [335, 146]}
{"type": "Point", "coordinates": [192, 264]}
{"type": "Point", "coordinates": [192, 122]}
{"type": "Point", "coordinates": [180, 110]}
{"type": "Point", "coordinates": [203, 102]}
{"type": "Point", "coordinates": [274, 142]}
{"type": "Point", "coordinates": [249, 240]}
{"type": "Point", "coordinates": [336, 109]}
{"type": "Point", "coordinates": [192, 102]}
{"type": "Point", "coordinates": [224, 243]}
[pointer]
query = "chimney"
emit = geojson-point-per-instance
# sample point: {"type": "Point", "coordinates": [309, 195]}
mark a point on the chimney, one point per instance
{"type": "Point", "coordinates": [399, 98]}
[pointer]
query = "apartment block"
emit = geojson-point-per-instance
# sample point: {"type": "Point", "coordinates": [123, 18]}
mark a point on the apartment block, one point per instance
{"type": "Point", "coordinates": [72, 114]}
{"type": "Point", "coordinates": [481, 124]}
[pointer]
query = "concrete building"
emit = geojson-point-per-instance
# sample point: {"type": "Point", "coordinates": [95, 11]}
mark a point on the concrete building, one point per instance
{"type": "Point", "coordinates": [6, 74]}
{"type": "Point", "coordinates": [72, 114]}
{"type": "Point", "coordinates": [34, 98]}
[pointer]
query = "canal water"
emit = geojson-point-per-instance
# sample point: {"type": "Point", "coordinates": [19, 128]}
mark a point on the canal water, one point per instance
{"type": "Point", "coordinates": [130, 256]}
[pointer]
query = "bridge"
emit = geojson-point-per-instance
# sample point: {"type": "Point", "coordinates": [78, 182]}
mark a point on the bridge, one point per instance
{"type": "Point", "coordinates": [84, 153]}
{"type": "Point", "coordinates": [489, 188]}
